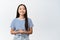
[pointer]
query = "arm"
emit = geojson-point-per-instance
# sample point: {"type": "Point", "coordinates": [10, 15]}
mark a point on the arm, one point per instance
{"type": "Point", "coordinates": [21, 31]}
{"type": "Point", "coordinates": [13, 32]}
{"type": "Point", "coordinates": [29, 31]}
{"type": "Point", "coordinates": [16, 32]}
{"type": "Point", "coordinates": [26, 32]}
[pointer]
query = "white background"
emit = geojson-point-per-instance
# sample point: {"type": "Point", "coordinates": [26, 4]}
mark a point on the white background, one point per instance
{"type": "Point", "coordinates": [45, 15]}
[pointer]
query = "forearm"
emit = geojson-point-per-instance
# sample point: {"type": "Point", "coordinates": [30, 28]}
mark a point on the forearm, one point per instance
{"type": "Point", "coordinates": [14, 32]}
{"type": "Point", "coordinates": [21, 32]}
{"type": "Point", "coordinates": [28, 32]}
{"type": "Point", "coordinates": [24, 32]}
{"type": "Point", "coordinates": [17, 32]}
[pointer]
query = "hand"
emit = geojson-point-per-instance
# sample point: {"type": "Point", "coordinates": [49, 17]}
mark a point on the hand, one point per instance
{"type": "Point", "coordinates": [21, 31]}
{"type": "Point", "coordinates": [26, 32]}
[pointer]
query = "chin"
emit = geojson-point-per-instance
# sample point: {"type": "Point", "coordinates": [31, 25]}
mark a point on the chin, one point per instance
{"type": "Point", "coordinates": [22, 14]}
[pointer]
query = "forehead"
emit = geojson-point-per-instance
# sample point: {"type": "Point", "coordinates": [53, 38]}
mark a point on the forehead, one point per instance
{"type": "Point", "coordinates": [21, 6]}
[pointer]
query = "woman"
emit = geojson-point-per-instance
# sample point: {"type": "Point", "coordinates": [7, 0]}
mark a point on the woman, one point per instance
{"type": "Point", "coordinates": [21, 26]}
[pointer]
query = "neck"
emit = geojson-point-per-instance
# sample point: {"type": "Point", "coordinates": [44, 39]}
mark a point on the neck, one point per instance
{"type": "Point", "coordinates": [21, 17]}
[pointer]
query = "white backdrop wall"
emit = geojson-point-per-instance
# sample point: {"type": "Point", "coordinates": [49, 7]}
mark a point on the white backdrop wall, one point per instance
{"type": "Point", "coordinates": [45, 15]}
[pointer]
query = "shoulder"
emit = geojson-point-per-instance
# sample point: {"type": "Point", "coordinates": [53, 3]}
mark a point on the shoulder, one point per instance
{"type": "Point", "coordinates": [14, 19]}
{"type": "Point", "coordinates": [30, 23]}
{"type": "Point", "coordinates": [29, 19]}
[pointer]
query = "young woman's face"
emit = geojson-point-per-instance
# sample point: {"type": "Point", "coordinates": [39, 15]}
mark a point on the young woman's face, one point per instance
{"type": "Point", "coordinates": [21, 10]}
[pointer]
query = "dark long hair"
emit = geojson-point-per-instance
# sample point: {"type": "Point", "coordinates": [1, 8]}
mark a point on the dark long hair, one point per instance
{"type": "Point", "coordinates": [25, 16]}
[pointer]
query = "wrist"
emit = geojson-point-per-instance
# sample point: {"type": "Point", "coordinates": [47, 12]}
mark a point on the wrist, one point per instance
{"type": "Point", "coordinates": [26, 32]}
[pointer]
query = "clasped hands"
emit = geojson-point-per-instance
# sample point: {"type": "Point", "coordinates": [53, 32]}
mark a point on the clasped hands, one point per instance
{"type": "Point", "coordinates": [22, 31]}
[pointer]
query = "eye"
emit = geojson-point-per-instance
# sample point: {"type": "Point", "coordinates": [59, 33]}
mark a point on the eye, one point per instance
{"type": "Point", "coordinates": [23, 8]}
{"type": "Point", "coordinates": [20, 8]}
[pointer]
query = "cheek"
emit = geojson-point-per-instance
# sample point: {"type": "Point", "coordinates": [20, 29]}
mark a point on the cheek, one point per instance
{"type": "Point", "coordinates": [19, 11]}
{"type": "Point", "coordinates": [24, 11]}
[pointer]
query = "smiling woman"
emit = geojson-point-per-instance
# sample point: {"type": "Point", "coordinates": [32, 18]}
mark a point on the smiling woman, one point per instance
{"type": "Point", "coordinates": [21, 26]}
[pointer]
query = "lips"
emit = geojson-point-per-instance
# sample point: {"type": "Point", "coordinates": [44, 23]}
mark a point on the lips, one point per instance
{"type": "Point", "coordinates": [22, 12]}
